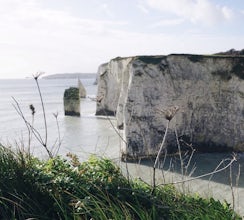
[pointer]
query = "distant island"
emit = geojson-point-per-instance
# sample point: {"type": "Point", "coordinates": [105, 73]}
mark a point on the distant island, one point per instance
{"type": "Point", "coordinates": [70, 76]}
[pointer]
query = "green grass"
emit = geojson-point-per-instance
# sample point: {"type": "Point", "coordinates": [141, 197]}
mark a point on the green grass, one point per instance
{"type": "Point", "coordinates": [61, 188]}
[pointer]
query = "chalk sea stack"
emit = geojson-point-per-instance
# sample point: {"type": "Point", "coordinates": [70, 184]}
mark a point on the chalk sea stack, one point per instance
{"type": "Point", "coordinates": [82, 90]}
{"type": "Point", "coordinates": [72, 102]}
{"type": "Point", "coordinates": [208, 89]}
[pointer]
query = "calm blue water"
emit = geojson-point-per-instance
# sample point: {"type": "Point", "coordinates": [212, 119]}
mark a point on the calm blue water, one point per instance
{"type": "Point", "coordinates": [81, 135]}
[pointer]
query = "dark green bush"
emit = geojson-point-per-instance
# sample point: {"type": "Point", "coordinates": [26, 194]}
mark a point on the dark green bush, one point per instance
{"type": "Point", "coordinates": [67, 189]}
{"type": "Point", "coordinates": [72, 93]}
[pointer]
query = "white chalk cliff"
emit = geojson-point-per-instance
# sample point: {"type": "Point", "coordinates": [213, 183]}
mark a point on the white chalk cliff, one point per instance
{"type": "Point", "coordinates": [82, 90]}
{"type": "Point", "coordinates": [209, 90]}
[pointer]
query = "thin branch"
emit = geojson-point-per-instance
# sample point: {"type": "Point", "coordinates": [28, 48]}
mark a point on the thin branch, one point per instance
{"type": "Point", "coordinates": [179, 149]}
{"type": "Point", "coordinates": [59, 138]}
{"type": "Point", "coordinates": [43, 108]}
{"type": "Point", "coordinates": [162, 144]}
{"type": "Point", "coordinates": [158, 155]}
{"type": "Point", "coordinates": [232, 189]}
{"type": "Point", "coordinates": [116, 130]}
{"type": "Point", "coordinates": [206, 174]}
{"type": "Point", "coordinates": [28, 125]}
{"type": "Point", "coordinates": [189, 162]}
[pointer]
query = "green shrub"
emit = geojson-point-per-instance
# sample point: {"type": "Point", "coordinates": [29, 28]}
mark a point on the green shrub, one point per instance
{"type": "Point", "coordinates": [20, 196]}
{"type": "Point", "coordinates": [71, 93]}
{"type": "Point", "coordinates": [67, 189]}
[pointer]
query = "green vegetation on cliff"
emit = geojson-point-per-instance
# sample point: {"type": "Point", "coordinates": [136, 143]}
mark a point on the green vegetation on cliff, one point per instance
{"type": "Point", "coordinates": [71, 94]}
{"type": "Point", "coordinates": [60, 188]}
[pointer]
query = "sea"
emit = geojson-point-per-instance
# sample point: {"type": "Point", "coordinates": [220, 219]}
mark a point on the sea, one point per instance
{"type": "Point", "coordinates": [90, 134]}
{"type": "Point", "coordinates": [83, 136]}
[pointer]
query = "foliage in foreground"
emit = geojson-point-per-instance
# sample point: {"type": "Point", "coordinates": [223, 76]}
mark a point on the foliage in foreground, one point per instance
{"type": "Point", "coordinates": [96, 189]}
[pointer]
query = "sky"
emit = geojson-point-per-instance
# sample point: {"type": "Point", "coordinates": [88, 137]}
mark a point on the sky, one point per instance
{"type": "Point", "coordinates": [68, 36]}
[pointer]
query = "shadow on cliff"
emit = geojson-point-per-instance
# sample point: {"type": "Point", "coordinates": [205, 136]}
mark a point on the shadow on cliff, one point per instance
{"type": "Point", "coordinates": [203, 163]}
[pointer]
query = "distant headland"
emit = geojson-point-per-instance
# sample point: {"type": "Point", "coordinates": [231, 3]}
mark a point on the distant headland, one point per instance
{"type": "Point", "coordinates": [70, 76]}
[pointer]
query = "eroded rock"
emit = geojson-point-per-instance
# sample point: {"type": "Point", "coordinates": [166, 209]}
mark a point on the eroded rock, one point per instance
{"type": "Point", "coordinates": [209, 91]}
{"type": "Point", "coordinates": [82, 90]}
{"type": "Point", "coordinates": [112, 87]}
{"type": "Point", "coordinates": [72, 102]}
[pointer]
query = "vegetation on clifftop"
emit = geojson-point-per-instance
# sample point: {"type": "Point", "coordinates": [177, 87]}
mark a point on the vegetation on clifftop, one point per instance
{"type": "Point", "coordinates": [72, 93]}
{"type": "Point", "coordinates": [60, 188]}
{"type": "Point", "coordinates": [151, 59]}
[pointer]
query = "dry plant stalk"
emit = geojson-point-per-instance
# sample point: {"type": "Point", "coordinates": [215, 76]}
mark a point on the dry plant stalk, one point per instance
{"type": "Point", "coordinates": [30, 126]}
{"type": "Point", "coordinates": [36, 76]}
{"type": "Point", "coordinates": [231, 161]}
{"type": "Point", "coordinates": [168, 113]}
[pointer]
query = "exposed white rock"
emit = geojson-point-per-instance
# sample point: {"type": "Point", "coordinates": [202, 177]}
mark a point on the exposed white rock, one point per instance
{"type": "Point", "coordinates": [113, 77]}
{"type": "Point", "coordinates": [209, 91]}
{"type": "Point", "coordinates": [82, 90]}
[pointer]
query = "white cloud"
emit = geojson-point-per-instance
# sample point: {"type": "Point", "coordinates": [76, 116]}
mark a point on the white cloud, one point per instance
{"type": "Point", "coordinates": [196, 11]}
{"type": "Point", "coordinates": [30, 17]}
{"type": "Point", "coordinates": [142, 8]}
{"type": "Point", "coordinates": [105, 8]}
{"type": "Point", "coordinates": [168, 22]}
{"type": "Point", "coordinates": [33, 38]}
{"type": "Point", "coordinates": [227, 12]}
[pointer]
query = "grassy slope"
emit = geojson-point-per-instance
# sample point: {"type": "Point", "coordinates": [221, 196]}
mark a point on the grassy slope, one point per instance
{"type": "Point", "coordinates": [67, 189]}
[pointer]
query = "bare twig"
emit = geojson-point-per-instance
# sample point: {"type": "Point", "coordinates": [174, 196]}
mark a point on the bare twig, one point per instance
{"type": "Point", "coordinates": [232, 189]}
{"type": "Point", "coordinates": [162, 144]}
{"type": "Point", "coordinates": [231, 161]}
{"type": "Point", "coordinates": [237, 185]}
{"type": "Point", "coordinates": [158, 155]}
{"type": "Point", "coordinates": [189, 163]}
{"type": "Point", "coordinates": [28, 125]}
{"type": "Point", "coordinates": [59, 138]}
{"type": "Point", "coordinates": [179, 149]}
{"type": "Point", "coordinates": [168, 113]}
{"type": "Point", "coordinates": [31, 129]}
{"type": "Point", "coordinates": [42, 103]}
{"type": "Point", "coordinates": [33, 111]}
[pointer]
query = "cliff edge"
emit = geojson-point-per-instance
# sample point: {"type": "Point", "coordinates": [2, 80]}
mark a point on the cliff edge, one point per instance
{"type": "Point", "coordinates": [209, 91]}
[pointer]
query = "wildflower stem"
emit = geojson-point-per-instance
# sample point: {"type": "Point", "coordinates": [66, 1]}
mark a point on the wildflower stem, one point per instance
{"type": "Point", "coordinates": [162, 144]}
{"type": "Point", "coordinates": [158, 155]}
{"type": "Point", "coordinates": [43, 110]}
{"type": "Point", "coordinates": [231, 161]}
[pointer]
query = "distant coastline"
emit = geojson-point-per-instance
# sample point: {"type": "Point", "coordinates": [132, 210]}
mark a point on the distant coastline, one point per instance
{"type": "Point", "coordinates": [70, 76]}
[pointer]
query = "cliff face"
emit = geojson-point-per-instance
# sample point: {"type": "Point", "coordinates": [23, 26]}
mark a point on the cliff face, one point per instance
{"type": "Point", "coordinates": [113, 76]}
{"type": "Point", "coordinates": [209, 90]}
